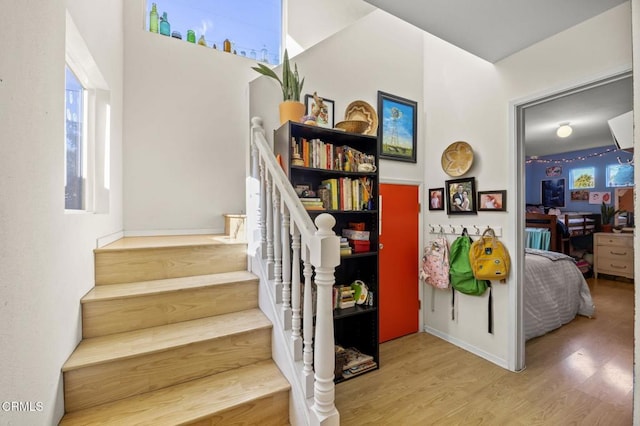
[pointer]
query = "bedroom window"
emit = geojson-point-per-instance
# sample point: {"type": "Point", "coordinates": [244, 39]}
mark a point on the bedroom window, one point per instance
{"type": "Point", "coordinates": [582, 178]}
{"type": "Point", "coordinates": [253, 27]}
{"type": "Point", "coordinates": [619, 175]}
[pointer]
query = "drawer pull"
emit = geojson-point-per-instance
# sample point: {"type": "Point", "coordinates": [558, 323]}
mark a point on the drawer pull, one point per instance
{"type": "Point", "coordinates": [618, 254]}
{"type": "Point", "coordinates": [619, 267]}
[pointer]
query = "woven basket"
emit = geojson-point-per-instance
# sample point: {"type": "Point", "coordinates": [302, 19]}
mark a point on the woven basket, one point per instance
{"type": "Point", "coordinates": [353, 126]}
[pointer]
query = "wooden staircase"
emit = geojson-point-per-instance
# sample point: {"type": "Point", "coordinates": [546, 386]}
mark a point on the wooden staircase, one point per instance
{"type": "Point", "coordinates": [172, 335]}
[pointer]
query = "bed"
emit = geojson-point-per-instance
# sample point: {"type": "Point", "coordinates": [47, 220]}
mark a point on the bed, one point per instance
{"type": "Point", "coordinates": [555, 291]}
{"type": "Point", "coordinates": [562, 227]}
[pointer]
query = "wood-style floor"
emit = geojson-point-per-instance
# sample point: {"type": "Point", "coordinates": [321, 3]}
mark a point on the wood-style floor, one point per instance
{"type": "Point", "coordinates": [580, 374]}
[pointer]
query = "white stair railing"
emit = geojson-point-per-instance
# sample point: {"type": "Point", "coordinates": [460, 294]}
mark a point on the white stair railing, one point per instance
{"type": "Point", "coordinates": [281, 238]}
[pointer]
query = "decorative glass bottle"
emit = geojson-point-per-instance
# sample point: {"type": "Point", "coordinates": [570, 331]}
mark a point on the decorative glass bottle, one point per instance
{"type": "Point", "coordinates": [227, 45]}
{"type": "Point", "coordinates": [202, 41]}
{"type": "Point", "coordinates": [153, 19]}
{"type": "Point", "coordinates": [165, 27]}
{"type": "Point", "coordinates": [191, 36]}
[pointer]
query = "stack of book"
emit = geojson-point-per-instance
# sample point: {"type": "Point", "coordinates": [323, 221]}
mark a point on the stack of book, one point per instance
{"type": "Point", "coordinates": [345, 248]}
{"type": "Point", "coordinates": [312, 203]}
{"type": "Point", "coordinates": [356, 363]}
{"type": "Point", "coordinates": [344, 297]}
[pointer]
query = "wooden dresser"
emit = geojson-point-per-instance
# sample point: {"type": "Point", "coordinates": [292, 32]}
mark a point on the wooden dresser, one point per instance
{"type": "Point", "coordinates": [613, 254]}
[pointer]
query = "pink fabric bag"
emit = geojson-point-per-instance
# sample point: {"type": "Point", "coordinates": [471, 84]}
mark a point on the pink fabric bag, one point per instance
{"type": "Point", "coordinates": [435, 263]}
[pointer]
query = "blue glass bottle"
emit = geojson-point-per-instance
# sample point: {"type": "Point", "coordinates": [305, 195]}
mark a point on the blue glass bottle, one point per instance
{"type": "Point", "coordinates": [165, 27]}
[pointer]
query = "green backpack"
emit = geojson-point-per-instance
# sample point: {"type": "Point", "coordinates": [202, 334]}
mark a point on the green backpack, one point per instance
{"type": "Point", "coordinates": [461, 276]}
{"type": "Point", "coordinates": [460, 272]}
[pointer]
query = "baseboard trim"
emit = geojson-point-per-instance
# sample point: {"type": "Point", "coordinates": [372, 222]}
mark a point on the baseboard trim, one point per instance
{"type": "Point", "coordinates": [108, 239]}
{"type": "Point", "coordinates": [467, 347]}
{"type": "Point", "coordinates": [159, 232]}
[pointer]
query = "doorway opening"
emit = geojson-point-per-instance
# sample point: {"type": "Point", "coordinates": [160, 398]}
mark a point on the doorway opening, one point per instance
{"type": "Point", "coordinates": [530, 119]}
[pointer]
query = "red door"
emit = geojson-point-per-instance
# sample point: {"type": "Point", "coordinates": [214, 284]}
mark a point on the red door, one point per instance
{"type": "Point", "coordinates": [398, 298]}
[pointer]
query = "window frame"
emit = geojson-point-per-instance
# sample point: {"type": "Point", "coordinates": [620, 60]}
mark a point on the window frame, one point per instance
{"type": "Point", "coordinates": [572, 177]}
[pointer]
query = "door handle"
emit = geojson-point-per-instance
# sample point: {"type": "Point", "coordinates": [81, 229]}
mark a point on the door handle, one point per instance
{"type": "Point", "coordinates": [381, 246]}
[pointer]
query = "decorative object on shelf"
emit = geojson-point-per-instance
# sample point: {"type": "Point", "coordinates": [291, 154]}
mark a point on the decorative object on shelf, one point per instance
{"type": "Point", "coordinates": [202, 41]}
{"type": "Point", "coordinates": [436, 198]}
{"type": "Point", "coordinates": [226, 45]}
{"type": "Point", "coordinates": [461, 196]}
{"type": "Point", "coordinates": [457, 159]}
{"type": "Point", "coordinates": [353, 126]}
{"type": "Point", "coordinates": [165, 26]}
{"type": "Point", "coordinates": [191, 36]}
{"type": "Point", "coordinates": [399, 126]}
{"type": "Point", "coordinates": [153, 19]}
{"type": "Point", "coordinates": [492, 201]}
{"type": "Point", "coordinates": [320, 110]}
{"type": "Point", "coordinates": [553, 193]}
{"type": "Point", "coordinates": [176, 34]}
{"type": "Point", "coordinates": [360, 110]}
{"type": "Point", "coordinates": [291, 109]}
{"type": "Point", "coordinates": [607, 213]}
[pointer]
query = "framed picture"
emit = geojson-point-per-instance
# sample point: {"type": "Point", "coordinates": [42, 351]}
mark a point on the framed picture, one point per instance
{"type": "Point", "coordinates": [302, 189]}
{"type": "Point", "coordinates": [461, 196]}
{"type": "Point", "coordinates": [436, 198]}
{"type": "Point", "coordinates": [553, 171]}
{"type": "Point", "coordinates": [553, 192]}
{"type": "Point", "coordinates": [398, 127]}
{"type": "Point", "coordinates": [580, 195]}
{"type": "Point", "coordinates": [323, 107]}
{"type": "Point", "coordinates": [492, 201]}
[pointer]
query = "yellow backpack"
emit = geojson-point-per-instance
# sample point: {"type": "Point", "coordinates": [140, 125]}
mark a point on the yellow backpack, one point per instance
{"type": "Point", "coordinates": [489, 258]}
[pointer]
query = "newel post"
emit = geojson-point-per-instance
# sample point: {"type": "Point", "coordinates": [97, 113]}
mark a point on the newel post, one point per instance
{"type": "Point", "coordinates": [325, 256]}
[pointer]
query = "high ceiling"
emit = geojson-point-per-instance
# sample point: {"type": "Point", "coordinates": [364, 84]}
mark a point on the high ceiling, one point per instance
{"type": "Point", "coordinates": [495, 29]}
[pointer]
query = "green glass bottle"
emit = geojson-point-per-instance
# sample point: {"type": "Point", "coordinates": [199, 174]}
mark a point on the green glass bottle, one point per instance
{"type": "Point", "coordinates": [191, 36]}
{"type": "Point", "coordinates": [165, 27]}
{"type": "Point", "coordinates": [153, 19]}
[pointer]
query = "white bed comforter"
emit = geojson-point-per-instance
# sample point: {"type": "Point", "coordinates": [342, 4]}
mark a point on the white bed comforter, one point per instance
{"type": "Point", "coordinates": [555, 291]}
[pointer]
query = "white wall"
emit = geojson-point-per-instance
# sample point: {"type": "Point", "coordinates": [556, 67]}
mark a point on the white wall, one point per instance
{"type": "Point", "coordinates": [468, 99]}
{"type": "Point", "coordinates": [187, 124]}
{"type": "Point", "coordinates": [46, 261]}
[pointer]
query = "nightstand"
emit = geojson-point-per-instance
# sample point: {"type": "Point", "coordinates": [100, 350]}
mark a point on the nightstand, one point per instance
{"type": "Point", "coordinates": [613, 254]}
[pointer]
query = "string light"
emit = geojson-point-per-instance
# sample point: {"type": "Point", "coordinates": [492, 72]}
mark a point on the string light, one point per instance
{"type": "Point", "coordinates": [535, 159]}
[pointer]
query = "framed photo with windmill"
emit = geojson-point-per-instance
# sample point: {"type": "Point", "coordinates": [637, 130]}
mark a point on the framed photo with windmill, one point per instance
{"type": "Point", "coordinates": [397, 127]}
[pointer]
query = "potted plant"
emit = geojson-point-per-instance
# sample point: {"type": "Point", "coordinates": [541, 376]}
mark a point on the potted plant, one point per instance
{"type": "Point", "coordinates": [607, 214]}
{"type": "Point", "coordinates": [291, 108]}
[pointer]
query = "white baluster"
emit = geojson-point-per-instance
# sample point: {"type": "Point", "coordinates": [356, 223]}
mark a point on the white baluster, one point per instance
{"type": "Point", "coordinates": [307, 324]}
{"type": "Point", "coordinates": [277, 246]}
{"type": "Point", "coordinates": [269, 223]}
{"type": "Point", "coordinates": [296, 336]}
{"type": "Point", "coordinates": [262, 220]}
{"type": "Point", "coordinates": [286, 269]}
{"type": "Point", "coordinates": [325, 256]}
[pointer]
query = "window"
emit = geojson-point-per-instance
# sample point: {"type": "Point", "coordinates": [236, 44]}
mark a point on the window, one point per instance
{"type": "Point", "coordinates": [87, 128]}
{"type": "Point", "coordinates": [75, 142]}
{"type": "Point", "coordinates": [254, 27]}
{"type": "Point", "coordinates": [582, 178]}
{"type": "Point", "coordinates": [619, 175]}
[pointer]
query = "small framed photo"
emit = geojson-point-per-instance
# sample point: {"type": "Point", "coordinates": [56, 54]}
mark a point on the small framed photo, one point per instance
{"type": "Point", "coordinates": [461, 196]}
{"type": "Point", "coordinates": [492, 201]}
{"type": "Point", "coordinates": [398, 127]}
{"type": "Point", "coordinates": [436, 198]}
{"type": "Point", "coordinates": [553, 171]}
{"type": "Point", "coordinates": [321, 108]}
{"type": "Point", "coordinates": [302, 189]}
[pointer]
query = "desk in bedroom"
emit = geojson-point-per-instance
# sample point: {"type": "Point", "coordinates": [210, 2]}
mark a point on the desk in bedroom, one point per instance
{"type": "Point", "coordinates": [613, 254]}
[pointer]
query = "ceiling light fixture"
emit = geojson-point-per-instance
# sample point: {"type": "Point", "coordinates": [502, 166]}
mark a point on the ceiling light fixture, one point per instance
{"type": "Point", "coordinates": [564, 130]}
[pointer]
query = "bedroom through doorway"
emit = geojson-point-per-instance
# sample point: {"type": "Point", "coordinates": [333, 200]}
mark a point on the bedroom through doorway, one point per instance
{"type": "Point", "coordinates": [556, 157]}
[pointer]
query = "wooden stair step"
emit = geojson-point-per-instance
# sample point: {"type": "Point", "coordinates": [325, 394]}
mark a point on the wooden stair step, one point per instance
{"type": "Point", "coordinates": [255, 394]}
{"type": "Point", "coordinates": [117, 308]}
{"type": "Point", "coordinates": [133, 259]}
{"type": "Point", "coordinates": [108, 368]}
